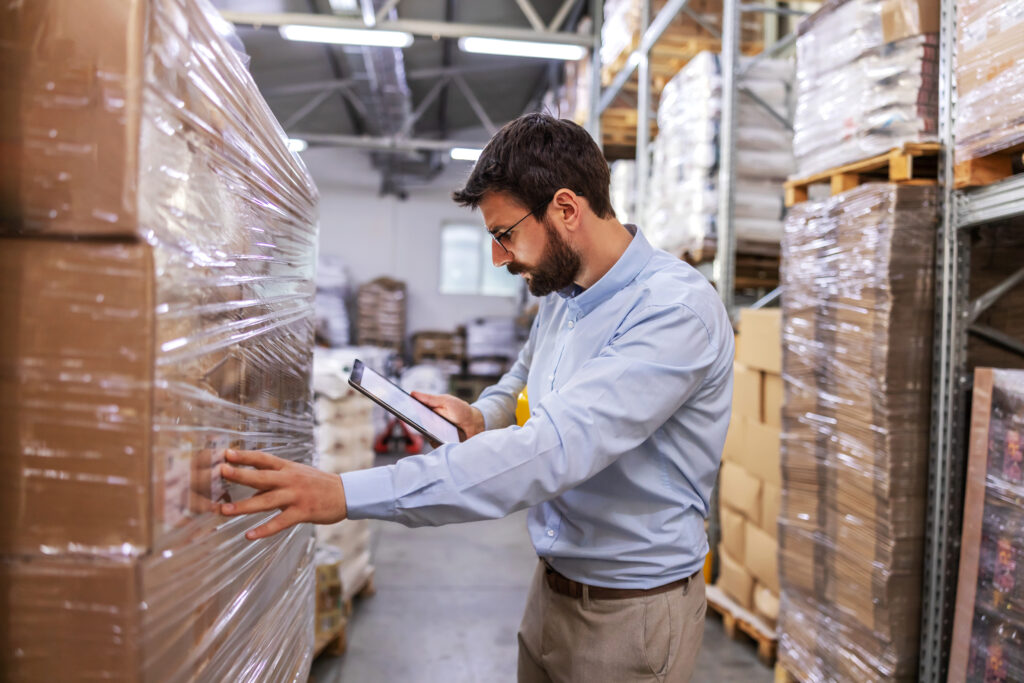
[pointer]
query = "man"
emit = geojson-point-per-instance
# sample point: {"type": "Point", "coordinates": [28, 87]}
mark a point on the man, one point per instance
{"type": "Point", "coordinates": [629, 370]}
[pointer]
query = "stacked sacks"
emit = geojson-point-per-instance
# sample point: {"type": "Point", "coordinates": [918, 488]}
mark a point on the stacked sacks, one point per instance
{"type": "Point", "coordinates": [682, 201]}
{"type": "Point", "coordinates": [157, 245]}
{"type": "Point", "coordinates": [857, 349]}
{"type": "Point", "coordinates": [866, 80]}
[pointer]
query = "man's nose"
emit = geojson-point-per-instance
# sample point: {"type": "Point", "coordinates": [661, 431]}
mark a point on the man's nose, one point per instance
{"type": "Point", "coordinates": [499, 256]}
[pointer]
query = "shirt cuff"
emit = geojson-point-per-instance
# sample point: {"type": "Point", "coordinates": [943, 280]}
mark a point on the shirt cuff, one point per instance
{"type": "Point", "coordinates": [370, 494]}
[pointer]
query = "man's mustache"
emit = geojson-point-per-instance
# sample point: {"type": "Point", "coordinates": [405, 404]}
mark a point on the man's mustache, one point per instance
{"type": "Point", "coordinates": [515, 268]}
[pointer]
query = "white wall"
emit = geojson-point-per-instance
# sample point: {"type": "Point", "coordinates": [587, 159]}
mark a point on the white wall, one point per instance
{"type": "Point", "coordinates": [401, 239]}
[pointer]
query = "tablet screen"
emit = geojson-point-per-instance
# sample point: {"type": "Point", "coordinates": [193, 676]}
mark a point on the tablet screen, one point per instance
{"type": "Point", "coordinates": [404, 406]}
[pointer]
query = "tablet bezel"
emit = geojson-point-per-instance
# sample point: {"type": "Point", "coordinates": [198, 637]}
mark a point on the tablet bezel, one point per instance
{"type": "Point", "coordinates": [355, 380]}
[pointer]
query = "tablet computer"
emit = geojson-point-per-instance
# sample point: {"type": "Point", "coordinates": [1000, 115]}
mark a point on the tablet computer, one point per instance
{"type": "Point", "coordinates": [395, 400]}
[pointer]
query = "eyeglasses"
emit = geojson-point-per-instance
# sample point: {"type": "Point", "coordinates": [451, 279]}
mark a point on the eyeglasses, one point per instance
{"type": "Point", "coordinates": [502, 237]}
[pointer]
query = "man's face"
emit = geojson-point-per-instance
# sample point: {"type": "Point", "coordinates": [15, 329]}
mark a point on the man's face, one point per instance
{"type": "Point", "coordinates": [534, 249]}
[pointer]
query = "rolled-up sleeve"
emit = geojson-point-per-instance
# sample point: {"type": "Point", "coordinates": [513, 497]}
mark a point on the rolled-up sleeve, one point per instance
{"type": "Point", "coordinates": [614, 402]}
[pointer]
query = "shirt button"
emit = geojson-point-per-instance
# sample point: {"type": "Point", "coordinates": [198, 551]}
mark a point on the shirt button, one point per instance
{"type": "Point", "coordinates": [551, 532]}
{"type": "Point", "coordinates": [571, 324]}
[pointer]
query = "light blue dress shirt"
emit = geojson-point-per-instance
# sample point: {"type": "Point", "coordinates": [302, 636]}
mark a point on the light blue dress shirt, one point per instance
{"type": "Point", "coordinates": [630, 386]}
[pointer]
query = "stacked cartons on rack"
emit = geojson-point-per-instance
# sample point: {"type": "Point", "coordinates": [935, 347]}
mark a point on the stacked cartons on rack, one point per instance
{"type": "Point", "coordinates": [866, 75]}
{"type": "Point", "coordinates": [380, 313]}
{"type": "Point", "coordinates": [750, 482]}
{"type": "Point", "coordinates": [156, 292]}
{"type": "Point", "coordinates": [989, 79]}
{"type": "Point", "coordinates": [856, 363]}
{"type": "Point", "coordinates": [988, 636]}
{"type": "Point", "coordinates": [681, 207]}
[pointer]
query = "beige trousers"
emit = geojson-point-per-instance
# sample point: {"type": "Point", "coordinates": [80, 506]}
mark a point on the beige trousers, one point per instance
{"type": "Point", "coordinates": [582, 640]}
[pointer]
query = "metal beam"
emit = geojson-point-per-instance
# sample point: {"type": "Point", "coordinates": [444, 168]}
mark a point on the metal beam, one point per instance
{"type": "Point", "coordinates": [395, 144]}
{"type": "Point", "coordinates": [703, 23]}
{"type": "Point", "coordinates": [643, 118]}
{"type": "Point", "coordinates": [417, 27]}
{"type": "Point", "coordinates": [769, 9]}
{"type": "Point", "coordinates": [305, 110]}
{"type": "Point", "coordinates": [998, 337]}
{"type": "Point", "coordinates": [724, 268]}
{"type": "Point", "coordinates": [995, 202]}
{"type": "Point", "coordinates": [650, 37]}
{"type": "Point", "coordinates": [563, 12]}
{"type": "Point", "coordinates": [985, 301]}
{"type": "Point", "coordinates": [424, 104]}
{"type": "Point", "coordinates": [382, 13]}
{"type": "Point", "coordinates": [475, 105]}
{"type": "Point", "coordinates": [531, 15]}
{"type": "Point", "coordinates": [768, 298]}
{"type": "Point", "coordinates": [594, 109]}
{"type": "Point", "coordinates": [772, 50]}
{"type": "Point", "coordinates": [782, 120]}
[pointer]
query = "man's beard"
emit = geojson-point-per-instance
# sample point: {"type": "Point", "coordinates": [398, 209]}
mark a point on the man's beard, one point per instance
{"type": "Point", "coordinates": [557, 269]}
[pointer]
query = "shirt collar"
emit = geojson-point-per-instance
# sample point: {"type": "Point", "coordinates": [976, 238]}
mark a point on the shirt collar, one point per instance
{"type": "Point", "coordinates": [629, 265]}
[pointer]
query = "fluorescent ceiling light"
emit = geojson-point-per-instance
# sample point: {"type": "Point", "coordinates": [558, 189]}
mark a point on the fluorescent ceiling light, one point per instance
{"type": "Point", "coordinates": [297, 145]}
{"type": "Point", "coordinates": [346, 36]}
{"type": "Point", "coordinates": [465, 153]}
{"type": "Point", "coordinates": [522, 48]}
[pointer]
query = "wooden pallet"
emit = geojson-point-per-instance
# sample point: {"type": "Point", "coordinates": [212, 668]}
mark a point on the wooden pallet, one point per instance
{"type": "Point", "coordinates": [915, 163]}
{"type": "Point", "coordinates": [619, 125]}
{"type": "Point", "coordinates": [784, 676]}
{"type": "Point", "coordinates": [367, 590]}
{"type": "Point", "coordinates": [989, 169]}
{"type": "Point", "coordinates": [332, 643]}
{"type": "Point", "coordinates": [737, 620]}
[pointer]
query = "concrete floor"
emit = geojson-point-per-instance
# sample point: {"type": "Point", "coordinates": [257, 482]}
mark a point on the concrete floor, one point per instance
{"type": "Point", "coordinates": [448, 606]}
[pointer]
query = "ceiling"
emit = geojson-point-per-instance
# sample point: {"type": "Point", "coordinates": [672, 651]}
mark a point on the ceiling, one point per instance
{"type": "Point", "coordinates": [386, 86]}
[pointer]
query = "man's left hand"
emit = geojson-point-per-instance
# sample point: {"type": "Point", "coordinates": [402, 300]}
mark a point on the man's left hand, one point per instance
{"type": "Point", "coordinates": [302, 493]}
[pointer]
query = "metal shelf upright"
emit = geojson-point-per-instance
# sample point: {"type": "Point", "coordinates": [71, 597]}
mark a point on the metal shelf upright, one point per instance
{"type": "Point", "coordinates": [955, 313]}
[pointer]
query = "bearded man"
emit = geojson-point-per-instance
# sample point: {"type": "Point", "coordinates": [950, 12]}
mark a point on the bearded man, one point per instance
{"type": "Point", "coordinates": [629, 372]}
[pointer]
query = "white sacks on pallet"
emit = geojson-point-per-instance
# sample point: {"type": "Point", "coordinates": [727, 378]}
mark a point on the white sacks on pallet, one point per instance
{"type": "Point", "coordinates": [681, 210]}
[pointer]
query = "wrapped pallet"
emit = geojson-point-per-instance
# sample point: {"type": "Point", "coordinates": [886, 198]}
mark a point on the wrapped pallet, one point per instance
{"type": "Point", "coordinates": [988, 631]}
{"type": "Point", "coordinates": [380, 313]}
{"type": "Point", "coordinates": [866, 80]}
{"type": "Point", "coordinates": [682, 200]}
{"type": "Point", "coordinates": [157, 245]}
{"type": "Point", "coordinates": [989, 77]}
{"type": "Point", "coordinates": [857, 325]}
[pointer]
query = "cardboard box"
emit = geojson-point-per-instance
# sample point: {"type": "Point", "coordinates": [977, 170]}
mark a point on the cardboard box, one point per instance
{"type": "Point", "coordinates": [733, 533]}
{"type": "Point", "coordinates": [762, 557]}
{"type": "Point", "coordinates": [762, 453]}
{"type": "Point", "coordinates": [734, 580]}
{"type": "Point", "coordinates": [760, 344]}
{"type": "Point", "coordinates": [905, 18]}
{"type": "Point", "coordinates": [771, 408]}
{"type": "Point", "coordinates": [766, 603]}
{"type": "Point", "coordinates": [746, 392]}
{"type": "Point", "coordinates": [740, 491]}
{"type": "Point", "coordinates": [735, 439]}
{"type": "Point", "coordinates": [771, 506]}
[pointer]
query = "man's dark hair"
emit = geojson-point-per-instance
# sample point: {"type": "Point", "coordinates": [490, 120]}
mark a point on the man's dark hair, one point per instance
{"type": "Point", "coordinates": [534, 156]}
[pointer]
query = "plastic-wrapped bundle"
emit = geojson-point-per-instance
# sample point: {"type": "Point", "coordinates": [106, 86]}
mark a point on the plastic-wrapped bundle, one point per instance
{"type": "Point", "coordinates": [167, 315]}
{"type": "Point", "coordinates": [988, 631]}
{"type": "Point", "coordinates": [857, 317]}
{"type": "Point", "coordinates": [866, 79]}
{"type": "Point", "coordinates": [682, 203]}
{"type": "Point", "coordinates": [623, 190]}
{"type": "Point", "coordinates": [989, 77]}
{"type": "Point", "coordinates": [380, 313]}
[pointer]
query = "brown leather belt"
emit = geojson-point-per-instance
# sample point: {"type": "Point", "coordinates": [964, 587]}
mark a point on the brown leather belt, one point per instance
{"type": "Point", "coordinates": [574, 589]}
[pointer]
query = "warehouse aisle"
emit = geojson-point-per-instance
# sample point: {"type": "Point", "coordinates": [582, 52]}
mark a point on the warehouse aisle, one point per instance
{"type": "Point", "coordinates": [448, 605]}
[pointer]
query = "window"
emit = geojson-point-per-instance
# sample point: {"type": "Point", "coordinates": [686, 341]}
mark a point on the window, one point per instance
{"type": "Point", "coordinates": [466, 266]}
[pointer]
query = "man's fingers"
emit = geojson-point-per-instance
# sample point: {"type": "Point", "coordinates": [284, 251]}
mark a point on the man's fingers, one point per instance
{"type": "Point", "coordinates": [257, 479]}
{"type": "Point", "coordinates": [432, 400]}
{"type": "Point", "coordinates": [259, 459]}
{"type": "Point", "coordinates": [279, 523]}
{"type": "Point", "coordinates": [263, 502]}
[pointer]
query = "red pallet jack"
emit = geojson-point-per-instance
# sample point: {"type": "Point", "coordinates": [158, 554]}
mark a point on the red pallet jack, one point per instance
{"type": "Point", "coordinates": [396, 434]}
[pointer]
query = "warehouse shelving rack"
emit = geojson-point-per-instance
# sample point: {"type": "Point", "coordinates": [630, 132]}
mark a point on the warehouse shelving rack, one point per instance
{"type": "Point", "coordinates": [955, 312]}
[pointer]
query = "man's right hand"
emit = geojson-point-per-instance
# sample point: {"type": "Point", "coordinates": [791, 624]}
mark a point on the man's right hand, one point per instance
{"type": "Point", "coordinates": [468, 419]}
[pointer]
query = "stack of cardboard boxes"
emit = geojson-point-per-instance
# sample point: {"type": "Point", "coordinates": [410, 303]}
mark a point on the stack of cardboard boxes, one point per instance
{"type": "Point", "coordinates": [380, 313]}
{"type": "Point", "coordinates": [750, 481]}
{"type": "Point", "coordinates": [156, 295]}
{"type": "Point", "coordinates": [857, 324]}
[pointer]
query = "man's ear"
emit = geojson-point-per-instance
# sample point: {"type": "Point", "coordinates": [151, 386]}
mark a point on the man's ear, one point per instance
{"type": "Point", "coordinates": [569, 207]}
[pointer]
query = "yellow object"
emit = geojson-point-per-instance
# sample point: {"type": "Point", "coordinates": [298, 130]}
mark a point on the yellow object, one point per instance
{"type": "Point", "coordinates": [707, 567]}
{"type": "Point", "coordinates": [522, 408]}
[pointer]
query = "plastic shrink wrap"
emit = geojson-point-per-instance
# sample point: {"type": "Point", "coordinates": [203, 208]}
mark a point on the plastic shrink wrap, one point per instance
{"type": "Point", "coordinates": [989, 77]}
{"type": "Point", "coordinates": [988, 630]}
{"type": "Point", "coordinates": [157, 245]}
{"type": "Point", "coordinates": [866, 80]}
{"type": "Point", "coordinates": [857, 322]}
{"type": "Point", "coordinates": [682, 199]}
